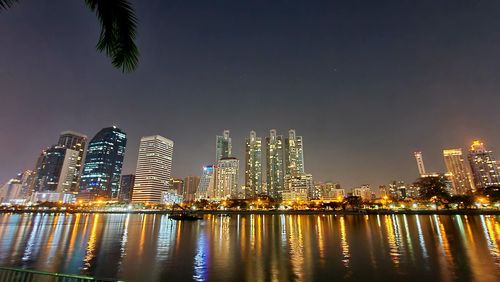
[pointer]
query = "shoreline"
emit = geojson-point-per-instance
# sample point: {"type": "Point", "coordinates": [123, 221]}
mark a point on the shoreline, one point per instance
{"type": "Point", "coordinates": [275, 212]}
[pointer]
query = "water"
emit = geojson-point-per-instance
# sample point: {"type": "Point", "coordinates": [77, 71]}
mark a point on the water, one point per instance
{"type": "Point", "coordinates": [149, 247]}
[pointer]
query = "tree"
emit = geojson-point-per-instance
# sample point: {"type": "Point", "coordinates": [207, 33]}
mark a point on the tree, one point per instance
{"type": "Point", "coordinates": [118, 30]}
{"type": "Point", "coordinates": [463, 201]}
{"type": "Point", "coordinates": [432, 187]}
{"type": "Point", "coordinates": [492, 193]}
{"type": "Point", "coordinates": [353, 201]}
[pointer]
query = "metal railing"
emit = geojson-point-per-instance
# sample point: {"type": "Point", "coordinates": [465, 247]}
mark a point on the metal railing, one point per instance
{"type": "Point", "coordinates": [11, 274]}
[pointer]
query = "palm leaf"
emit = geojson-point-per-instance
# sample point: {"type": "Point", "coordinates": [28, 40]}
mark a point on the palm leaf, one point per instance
{"type": "Point", "coordinates": [118, 30]}
{"type": "Point", "coordinates": [5, 4]}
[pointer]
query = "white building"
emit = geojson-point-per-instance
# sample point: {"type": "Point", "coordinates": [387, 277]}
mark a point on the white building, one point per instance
{"type": "Point", "coordinates": [365, 192]}
{"type": "Point", "coordinates": [11, 191]}
{"type": "Point", "coordinates": [300, 185]}
{"type": "Point", "coordinates": [171, 197]}
{"type": "Point", "coordinates": [154, 168]}
{"type": "Point", "coordinates": [227, 179]}
{"type": "Point", "coordinates": [49, 196]}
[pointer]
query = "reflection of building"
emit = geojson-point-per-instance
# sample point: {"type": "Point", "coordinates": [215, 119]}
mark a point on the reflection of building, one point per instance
{"type": "Point", "coordinates": [227, 179]}
{"type": "Point", "coordinates": [483, 165]}
{"type": "Point", "coordinates": [74, 141]}
{"type": "Point", "coordinates": [191, 183]}
{"type": "Point", "coordinates": [126, 187]}
{"type": "Point", "coordinates": [154, 166]}
{"type": "Point", "coordinates": [420, 162]}
{"type": "Point", "coordinates": [222, 146]}
{"type": "Point", "coordinates": [56, 169]}
{"type": "Point", "coordinates": [459, 170]}
{"type": "Point", "coordinates": [103, 164]}
{"type": "Point", "coordinates": [275, 164]}
{"type": "Point", "coordinates": [253, 166]}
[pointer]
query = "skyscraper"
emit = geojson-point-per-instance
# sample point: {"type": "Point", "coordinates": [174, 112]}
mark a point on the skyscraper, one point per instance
{"type": "Point", "coordinates": [227, 179]}
{"type": "Point", "coordinates": [103, 164]}
{"type": "Point", "coordinates": [154, 167]}
{"type": "Point", "coordinates": [206, 187]}
{"type": "Point", "coordinates": [253, 165]}
{"type": "Point", "coordinates": [459, 170]}
{"type": "Point", "coordinates": [74, 141]}
{"type": "Point", "coordinates": [126, 187]}
{"type": "Point", "coordinates": [55, 169]}
{"type": "Point", "coordinates": [222, 146]}
{"type": "Point", "coordinates": [274, 164]}
{"type": "Point", "coordinates": [294, 154]}
{"type": "Point", "coordinates": [483, 165]}
{"type": "Point", "coordinates": [190, 185]}
{"type": "Point", "coordinates": [420, 163]}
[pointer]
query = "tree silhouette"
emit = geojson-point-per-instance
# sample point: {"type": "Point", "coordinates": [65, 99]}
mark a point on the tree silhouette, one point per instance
{"type": "Point", "coordinates": [432, 187]}
{"type": "Point", "coordinates": [118, 30]}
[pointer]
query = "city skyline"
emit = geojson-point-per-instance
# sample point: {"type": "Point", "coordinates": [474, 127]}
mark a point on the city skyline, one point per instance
{"type": "Point", "coordinates": [362, 86]}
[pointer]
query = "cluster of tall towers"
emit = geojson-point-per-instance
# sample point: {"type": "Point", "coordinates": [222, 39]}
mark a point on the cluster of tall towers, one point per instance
{"type": "Point", "coordinates": [284, 162]}
{"type": "Point", "coordinates": [470, 171]}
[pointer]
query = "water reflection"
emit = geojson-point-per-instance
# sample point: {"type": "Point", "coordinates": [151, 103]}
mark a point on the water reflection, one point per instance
{"type": "Point", "coordinates": [255, 247]}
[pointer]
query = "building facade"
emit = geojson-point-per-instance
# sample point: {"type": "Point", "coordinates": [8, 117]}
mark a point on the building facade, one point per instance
{"type": "Point", "coordinates": [103, 164]}
{"type": "Point", "coordinates": [274, 164]}
{"type": "Point", "coordinates": [227, 179]}
{"type": "Point", "coordinates": [56, 170]}
{"type": "Point", "coordinates": [253, 165]}
{"type": "Point", "coordinates": [223, 146]}
{"type": "Point", "coordinates": [420, 163]}
{"type": "Point", "coordinates": [191, 184]}
{"type": "Point", "coordinates": [126, 187]}
{"type": "Point", "coordinates": [154, 168]}
{"type": "Point", "coordinates": [294, 154]}
{"type": "Point", "coordinates": [483, 165]}
{"type": "Point", "coordinates": [459, 170]}
{"type": "Point", "coordinates": [206, 187]}
{"type": "Point", "coordinates": [78, 142]}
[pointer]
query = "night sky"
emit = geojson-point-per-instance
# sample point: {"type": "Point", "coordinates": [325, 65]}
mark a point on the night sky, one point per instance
{"type": "Point", "coordinates": [365, 83]}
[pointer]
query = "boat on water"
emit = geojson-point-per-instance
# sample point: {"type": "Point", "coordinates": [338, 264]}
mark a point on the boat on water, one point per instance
{"type": "Point", "coordinates": [184, 216]}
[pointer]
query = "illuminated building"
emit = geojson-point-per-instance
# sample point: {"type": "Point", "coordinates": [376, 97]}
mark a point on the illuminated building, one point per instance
{"type": "Point", "coordinates": [483, 165]}
{"type": "Point", "coordinates": [222, 146]}
{"type": "Point", "coordinates": [206, 187]}
{"type": "Point", "coordinates": [176, 184]}
{"type": "Point", "coordinates": [11, 191]}
{"type": "Point", "coordinates": [459, 170]}
{"type": "Point", "coordinates": [103, 164]}
{"type": "Point", "coordinates": [171, 197]}
{"type": "Point", "coordinates": [78, 142]}
{"type": "Point", "coordinates": [300, 185]}
{"type": "Point", "coordinates": [253, 166]}
{"type": "Point", "coordinates": [420, 163]}
{"type": "Point", "coordinates": [56, 169]}
{"type": "Point", "coordinates": [365, 192]}
{"type": "Point", "coordinates": [126, 187]}
{"type": "Point", "coordinates": [191, 183]}
{"type": "Point", "coordinates": [294, 154]}
{"type": "Point", "coordinates": [274, 164]}
{"type": "Point", "coordinates": [47, 196]}
{"type": "Point", "coordinates": [227, 179]}
{"type": "Point", "coordinates": [154, 167]}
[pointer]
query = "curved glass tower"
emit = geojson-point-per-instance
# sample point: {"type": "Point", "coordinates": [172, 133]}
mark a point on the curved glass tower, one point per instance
{"type": "Point", "coordinates": [103, 164]}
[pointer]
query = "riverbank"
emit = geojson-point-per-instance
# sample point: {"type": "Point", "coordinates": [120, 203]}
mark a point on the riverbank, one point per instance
{"type": "Point", "coordinates": [277, 212]}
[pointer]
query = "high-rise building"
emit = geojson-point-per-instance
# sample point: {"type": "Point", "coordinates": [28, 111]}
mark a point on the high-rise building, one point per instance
{"type": "Point", "coordinates": [154, 167]}
{"type": "Point", "coordinates": [191, 183]}
{"type": "Point", "coordinates": [298, 187]}
{"type": "Point", "coordinates": [459, 170]}
{"type": "Point", "coordinates": [222, 146]}
{"type": "Point", "coordinates": [206, 187]}
{"type": "Point", "coordinates": [177, 185]}
{"type": "Point", "coordinates": [78, 142]}
{"type": "Point", "coordinates": [55, 169]}
{"type": "Point", "coordinates": [126, 187]}
{"type": "Point", "coordinates": [484, 167]}
{"type": "Point", "coordinates": [420, 163]}
{"type": "Point", "coordinates": [103, 164]}
{"type": "Point", "coordinates": [10, 191]}
{"type": "Point", "coordinates": [274, 164]}
{"type": "Point", "coordinates": [253, 165]}
{"type": "Point", "coordinates": [227, 179]}
{"type": "Point", "coordinates": [294, 154]}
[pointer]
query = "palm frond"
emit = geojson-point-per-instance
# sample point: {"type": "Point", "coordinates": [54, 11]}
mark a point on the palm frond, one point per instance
{"type": "Point", "coordinates": [118, 31]}
{"type": "Point", "coordinates": [5, 4]}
